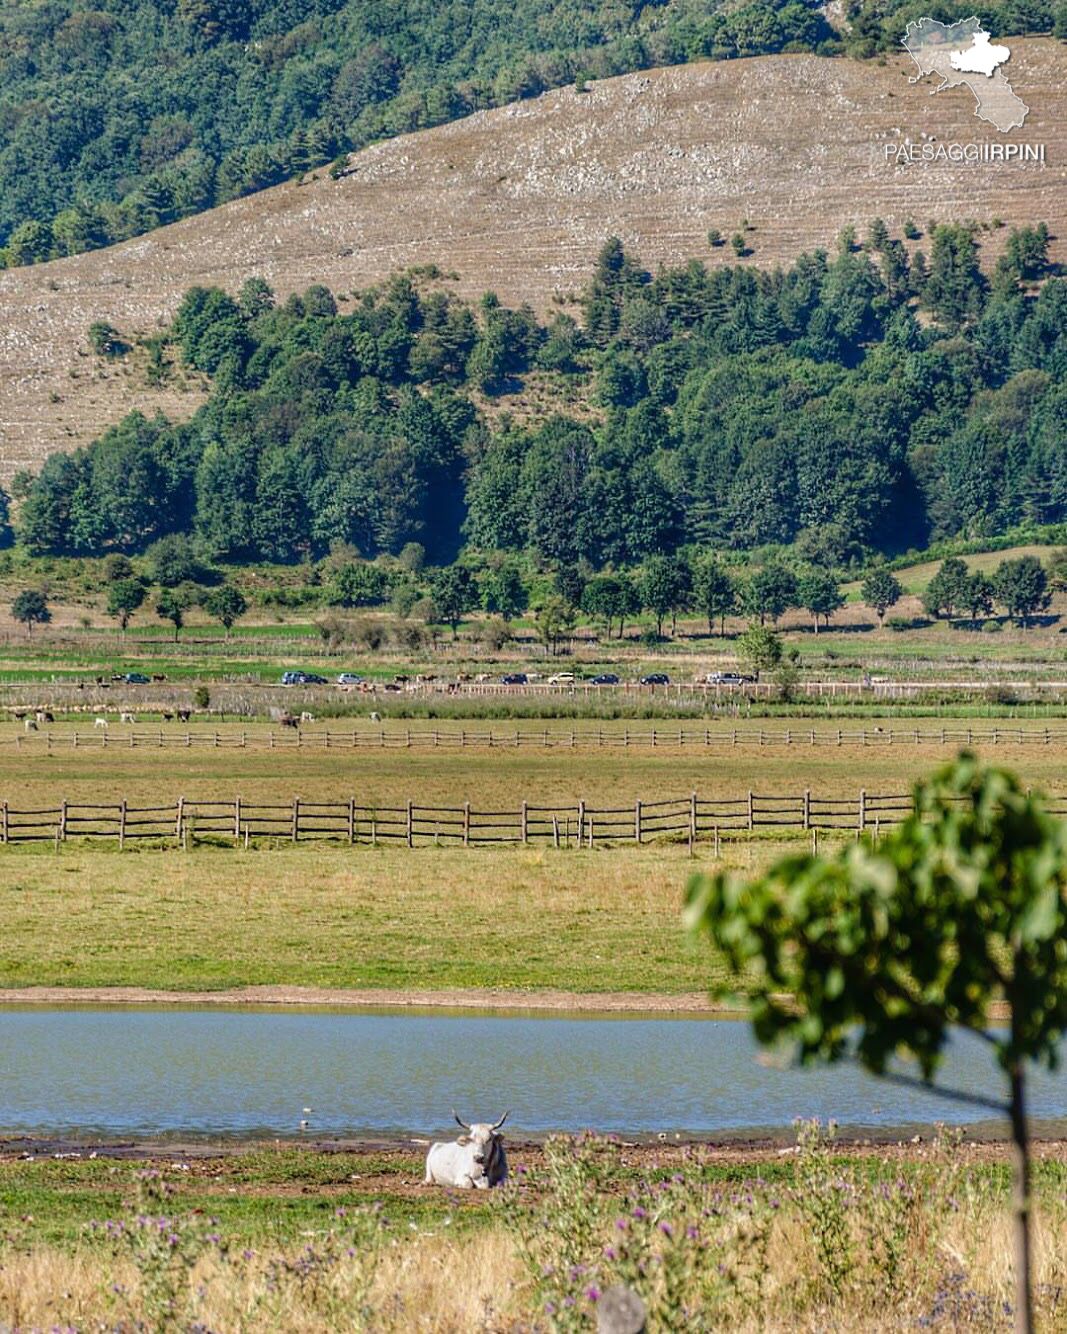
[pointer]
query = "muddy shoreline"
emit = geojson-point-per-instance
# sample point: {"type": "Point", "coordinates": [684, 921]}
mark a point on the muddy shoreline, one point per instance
{"type": "Point", "coordinates": [694, 1003]}
{"type": "Point", "coordinates": [473, 998]}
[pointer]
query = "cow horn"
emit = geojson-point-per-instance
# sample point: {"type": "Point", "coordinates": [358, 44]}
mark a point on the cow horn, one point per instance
{"type": "Point", "coordinates": [498, 1124]}
{"type": "Point", "coordinates": [458, 1121]}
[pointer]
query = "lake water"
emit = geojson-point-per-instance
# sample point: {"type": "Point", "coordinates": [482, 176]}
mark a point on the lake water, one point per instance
{"type": "Point", "coordinates": [146, 1073]}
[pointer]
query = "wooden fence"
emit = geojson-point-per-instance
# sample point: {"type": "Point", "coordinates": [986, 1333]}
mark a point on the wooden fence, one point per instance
{"type": "Point", "coordinates": [689, 818]}
{"type": "Point", "coordinates": [396, 737]}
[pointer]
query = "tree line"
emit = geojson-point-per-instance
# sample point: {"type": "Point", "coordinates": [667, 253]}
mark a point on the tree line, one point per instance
{"type": "Point", "coordinates": [854, 405]}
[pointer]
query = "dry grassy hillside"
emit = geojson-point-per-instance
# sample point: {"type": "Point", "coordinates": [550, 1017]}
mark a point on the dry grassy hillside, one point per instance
{"type": "Point", "coordinates": [519, 199]}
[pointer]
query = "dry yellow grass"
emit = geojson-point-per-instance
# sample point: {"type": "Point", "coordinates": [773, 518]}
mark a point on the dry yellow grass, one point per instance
{"type": "Point", "coordinates": [435, 1284]}
{"type": "Point", "coordinates": [519, 200]}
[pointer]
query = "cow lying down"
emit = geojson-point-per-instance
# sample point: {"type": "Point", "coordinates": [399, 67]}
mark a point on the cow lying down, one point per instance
{"type": "Point", "coordinates": [475, 1161]}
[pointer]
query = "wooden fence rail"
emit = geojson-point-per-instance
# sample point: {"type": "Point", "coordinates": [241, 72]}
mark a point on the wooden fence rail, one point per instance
{"type": "Point", "coordinates": [693, 818]}
{"type": "Point", "coordinates": [396, 737]}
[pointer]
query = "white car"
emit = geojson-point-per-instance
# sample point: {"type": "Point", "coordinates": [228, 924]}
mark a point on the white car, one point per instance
{"type": "Point", "coordinates": [561, 679]}
{"type": "Point", "coordinates": [349, 679]}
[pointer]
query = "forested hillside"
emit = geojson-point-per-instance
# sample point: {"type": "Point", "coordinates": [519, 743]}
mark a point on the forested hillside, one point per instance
{"type": "Point", "coordinates": [120, 116]}
{"type": "Point", "coordinates": [865, 401]}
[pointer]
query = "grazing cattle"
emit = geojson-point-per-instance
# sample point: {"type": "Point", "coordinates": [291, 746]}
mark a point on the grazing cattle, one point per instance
{"type": "Point", "coordinates": [127, 718]}
{"type": "Point", "coordinates": [289, 720]}
{"type": "Point", "coordinates": [306, 717]}
{"type": "Point", "coordinates": [29, 725]}
{"type": "Point", "coordinates": [183, 715]}
{"type": "Point", "coordinates": [165, 716]}
{"type": "Point", "coordinates": [475, 1161]}
{"type": "Point", "coordinates": [376, 717]}
{"type": "Point", "coordinates": [43, 716]}
{"type": "Point", "coordinates": [100, 722]}
{"type": "Point", "coordinates": [159, 676]}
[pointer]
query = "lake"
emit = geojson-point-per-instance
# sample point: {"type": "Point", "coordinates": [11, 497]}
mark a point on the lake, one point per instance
{"type": "Point", "coordinates": [121, 1072]}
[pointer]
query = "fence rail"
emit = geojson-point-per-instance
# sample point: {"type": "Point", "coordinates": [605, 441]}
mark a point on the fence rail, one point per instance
{"type": "Point", "coordinates": [689, 818]}
{"type": "Point", "coordinates": [119, 736]}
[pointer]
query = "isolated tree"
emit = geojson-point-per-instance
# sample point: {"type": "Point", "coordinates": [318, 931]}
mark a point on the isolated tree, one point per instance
{"type": "Point", "coordinates": [715, 592]}
{"type": "Point", "coordinates": [1021, 586]}
{"type": "Point", "coordinates": [874, 952]}
{"type": "Point", "coordinates": [30, 608]}
{"type": "Point", "coordinates": [759, 648]}
{"type": "Point", "coordinates": [819, 593]}
{"type": "Point", "coordinates": [117, 566]}
{"type": "Point", "coordinates": [225, 604]}
{"type": "Point", "coordinates": [947, 590]}
{"type": "Point", "coordinates": [611, 597]}
{"type": "Point", "coordinates": [977, 595]}
{"type": "Point", "coordinates": [172, 561]}
{"type": "Point", "coordinates": [172, 606]}
{"type": "Point", "coordinates": [503, 590]}
{"type": "Point", "coordinates": [554, 619]}
{"type": "Point", "coordinates": [881, 590]}
{"type": "Point", "coordinates": [454, 593]}
{"type": "Point", "coordinates": [664, 587]}
{"type": "Point", "coordinates": [123, 598]}
{"type": "Point", "coordinates": [770, 592]}
{"type": "Point", "coordinates": [360, 585]}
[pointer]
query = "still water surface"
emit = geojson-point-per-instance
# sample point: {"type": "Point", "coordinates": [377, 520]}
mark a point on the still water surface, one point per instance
{"type": "Point", "coordinates": [138, 1073]}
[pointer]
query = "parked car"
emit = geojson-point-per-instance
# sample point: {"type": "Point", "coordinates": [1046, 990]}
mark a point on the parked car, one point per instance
{"type": "Point", "coordinates": [135, 679]}
{"type": "Point", "coordinates": [561, 679]}
{"type": "Point", "coordinates": [513, 679]}
{"type": "Point", "coordinates": [302, 679]}
{"type": "Point", "coordinates": [656, 679]}
{"type": "Point", "coordinates": [728, 679]}
{"type": "Point", "coordinates": [349, 679]}
{"type": "Point", "coordinates": [605, 679]}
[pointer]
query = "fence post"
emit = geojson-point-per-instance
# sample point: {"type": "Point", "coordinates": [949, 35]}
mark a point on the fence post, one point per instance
{"type": "Point", "coordinates": [581, 820]}
{"type": "Point", "coordinates": [807, 807]}
{"type": "Point", "coordinates": [237, 818]}
{"type": "Point", "coordinates": [692, 822]}
{"type": "Point", "coordinates": [351, 819]}
{"type": "Point", "coordinates": [637, 820]}
{"type": "Point", "coordinates": [555, 830]}
{"type": "Point", "coordinates": [466, 824]}
{"type": "Point", "coordinates": [716, 842]}
{"type": "Point", "coordinates": [751, 812]}
{"type": "Point", "coordinates": [525, 828]}
{"type": "Point", "coordinates": [3, 827]}
{"type": "Point", "coordinates": [296, 819]}
{"type": "Point", "coordinates": [863, 809]}
{"type": "Point", "coordinates": [410, 835]}
{"type": "Point", "coordinates": [63, 819]}
{"type": "Point", "coordinates": [122, 823]}
{"type": "Point", "coordinates": [179, 819]}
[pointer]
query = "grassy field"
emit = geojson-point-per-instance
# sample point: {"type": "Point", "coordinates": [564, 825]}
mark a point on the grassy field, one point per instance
{"type": "Point", "coordinates": [489, 778]}
{"type": "Point", "coordinates": [369, 918]}
{"type": "Point", "coordinates": [327, 915]}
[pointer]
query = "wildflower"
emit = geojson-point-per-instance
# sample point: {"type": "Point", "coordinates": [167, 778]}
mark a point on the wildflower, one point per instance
{"type": "Point", "coordinates": [593, 1294]}
{"type": "Point", "coordinates": [639, 1213]}
{"type": "Point", "coordinates": [666, 1229]}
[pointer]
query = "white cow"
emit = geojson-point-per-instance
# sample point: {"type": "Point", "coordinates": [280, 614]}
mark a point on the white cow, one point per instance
{"type": "Point", "coordinates": [475, 1161]}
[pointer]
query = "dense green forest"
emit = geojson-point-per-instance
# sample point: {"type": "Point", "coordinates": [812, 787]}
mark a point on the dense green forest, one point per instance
{"type": "Point", "coordinates": [123, 115]}
{"type": "Point", "coordinates": [858, 403]}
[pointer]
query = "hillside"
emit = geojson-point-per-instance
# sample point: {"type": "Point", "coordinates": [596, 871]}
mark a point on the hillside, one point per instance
{"type": "Point", "coordinates": [519, 199]}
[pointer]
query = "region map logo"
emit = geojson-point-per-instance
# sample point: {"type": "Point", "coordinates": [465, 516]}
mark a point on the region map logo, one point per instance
{"type": "Point", "coordinates": [961, 53]}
